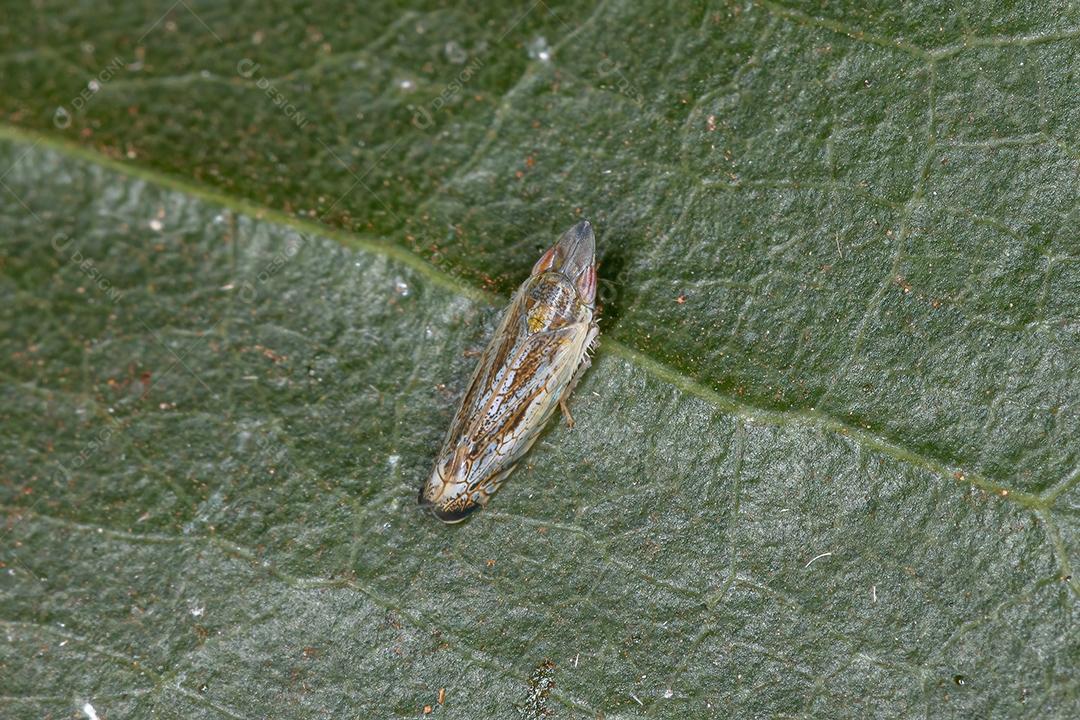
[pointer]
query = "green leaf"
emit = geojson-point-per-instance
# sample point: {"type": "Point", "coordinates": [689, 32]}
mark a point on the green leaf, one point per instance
{"type": "Point", "coordinates": [825, 463]}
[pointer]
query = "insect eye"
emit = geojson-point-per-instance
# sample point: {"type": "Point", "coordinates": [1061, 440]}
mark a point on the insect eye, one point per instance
{"type": "Point", "coordinates": [586, 284]}
{"type": "Point", "coordinates": [546, 261]}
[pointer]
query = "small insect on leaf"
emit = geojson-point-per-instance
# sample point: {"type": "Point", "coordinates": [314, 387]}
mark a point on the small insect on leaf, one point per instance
{"type": "Point", "coordinates": [536, 357]}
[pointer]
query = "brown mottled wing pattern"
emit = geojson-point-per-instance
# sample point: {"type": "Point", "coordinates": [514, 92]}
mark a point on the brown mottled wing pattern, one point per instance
{"type": "Point", "coordinates": [515, 389]}
{"type": "Point", "coordinates": [491, 361]}
{"type": "Point", "coordinates": [522, 397]}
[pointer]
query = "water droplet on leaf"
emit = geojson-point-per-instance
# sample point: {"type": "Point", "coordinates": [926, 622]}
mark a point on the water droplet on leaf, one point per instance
{"type": "Point", "coordinates": [61, 118]}
{"type": "Point", "coordinates": [455, 53]}
{"type": "Point", "coordinates": [538, 49]}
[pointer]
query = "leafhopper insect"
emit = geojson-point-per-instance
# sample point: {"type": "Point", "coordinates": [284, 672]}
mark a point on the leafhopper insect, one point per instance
{"type": "Point", "coordinates": [538, 354]}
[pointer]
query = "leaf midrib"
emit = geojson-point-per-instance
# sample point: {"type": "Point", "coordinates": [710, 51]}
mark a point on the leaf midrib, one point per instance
{"type": "Point", "coordinates": [1038, 503]}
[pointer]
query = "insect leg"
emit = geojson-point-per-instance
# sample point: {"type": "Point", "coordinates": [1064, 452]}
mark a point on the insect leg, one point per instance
{"type": "Point", "coordinates": [586, 361]}
{"type": "Point", "coordinates": [566, 412]}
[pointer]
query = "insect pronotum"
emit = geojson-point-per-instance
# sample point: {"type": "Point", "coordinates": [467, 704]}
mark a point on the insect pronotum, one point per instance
{"type": "Point", "coordinates": [538, 354]}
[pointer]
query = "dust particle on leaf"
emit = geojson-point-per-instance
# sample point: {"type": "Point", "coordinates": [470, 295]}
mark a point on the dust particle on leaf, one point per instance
{"type": "Point", "coordinates": [540, 685]}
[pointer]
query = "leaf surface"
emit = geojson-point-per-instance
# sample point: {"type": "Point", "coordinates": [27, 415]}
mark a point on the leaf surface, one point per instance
{"type": "Point", "coordinates": [825, 463]}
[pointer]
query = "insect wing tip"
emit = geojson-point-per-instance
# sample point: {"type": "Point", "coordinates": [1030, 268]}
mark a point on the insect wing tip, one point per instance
{"type": "Point", "coordinates": [453, 517]}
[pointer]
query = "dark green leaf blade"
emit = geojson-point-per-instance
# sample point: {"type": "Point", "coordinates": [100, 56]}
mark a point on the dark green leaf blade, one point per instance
{"type": "Point", "coordinates": [825, 465]}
